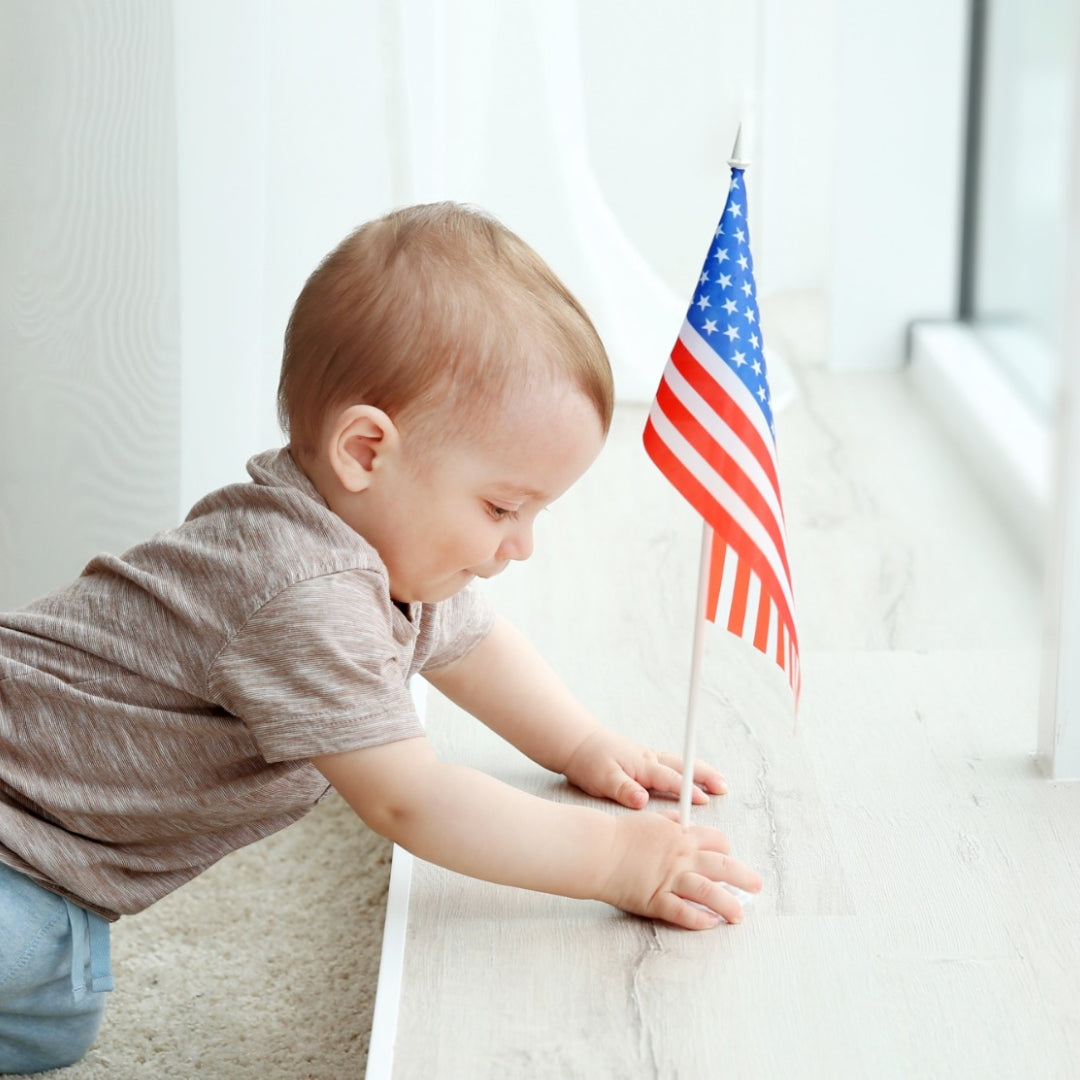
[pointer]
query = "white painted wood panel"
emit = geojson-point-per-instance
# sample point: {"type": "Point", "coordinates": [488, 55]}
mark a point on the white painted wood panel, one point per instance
{"type": "Point", "coordinates": [89, 380]}
{"type": "Point", "coordinates": [170, 173]}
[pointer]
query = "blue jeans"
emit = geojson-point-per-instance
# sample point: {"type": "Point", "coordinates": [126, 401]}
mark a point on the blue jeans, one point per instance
{"type": "Point", "coordinates": [54, 974]}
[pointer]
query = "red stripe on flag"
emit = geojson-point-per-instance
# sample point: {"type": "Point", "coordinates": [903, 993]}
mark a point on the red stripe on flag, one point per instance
{"type": "Point", "coordinates": [722, 522]}
{"type": "Point", "coordinates": [725, 406]}
{"type": "Point", "coordinates": [761, 630]}
{"type": "Point", "coordinates": [781, 647]}
{"type": "Point", "coordinates": [737, 618]}
{"type": "Point", "coordinates": [722, 463]}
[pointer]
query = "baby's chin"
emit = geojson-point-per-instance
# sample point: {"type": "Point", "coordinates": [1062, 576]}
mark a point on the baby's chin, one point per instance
{"type": "Point", "coordinates": [442, 590]}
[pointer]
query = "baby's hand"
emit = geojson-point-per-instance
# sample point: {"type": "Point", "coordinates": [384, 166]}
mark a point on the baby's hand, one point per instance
{"type": "Point", "coordinates": [610, 766]}
{"type": "Point", "coordinates": [664, 871]}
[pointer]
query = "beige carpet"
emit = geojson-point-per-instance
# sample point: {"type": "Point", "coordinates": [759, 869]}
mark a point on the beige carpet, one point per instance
{"type": "Point", "coordinates": [264, 967]}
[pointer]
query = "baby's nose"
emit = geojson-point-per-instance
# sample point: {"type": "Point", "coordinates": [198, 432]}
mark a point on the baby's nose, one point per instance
{"type": "Point", "coordinates": [517, 545]}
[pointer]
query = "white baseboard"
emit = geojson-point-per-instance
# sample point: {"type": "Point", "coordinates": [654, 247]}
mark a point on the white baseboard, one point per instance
{"type": "Point", "coordinates": [384, 1020]}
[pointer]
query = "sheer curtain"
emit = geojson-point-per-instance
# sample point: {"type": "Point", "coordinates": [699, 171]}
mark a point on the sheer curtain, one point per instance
{"type": "Point", "coordinates": [598, 130]}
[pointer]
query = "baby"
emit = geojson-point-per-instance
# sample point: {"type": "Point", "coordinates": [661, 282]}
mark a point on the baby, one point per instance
{"type": "Point", "coordinates": [440, 387]}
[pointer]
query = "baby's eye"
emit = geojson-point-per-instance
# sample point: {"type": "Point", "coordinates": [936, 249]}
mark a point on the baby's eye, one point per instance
{"type": "Point", "coordinates": [500, 513]}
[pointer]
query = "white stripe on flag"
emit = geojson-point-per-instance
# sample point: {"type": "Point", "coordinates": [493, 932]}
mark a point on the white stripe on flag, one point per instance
{"type": "Point", "coordinates": [753, 602]}
{"type": "Point", "coordinates": [727, 580]}
{"type": "Point", "coordinates": [721, 491]}
{"type": "Point", "coordinates": [728, 440]}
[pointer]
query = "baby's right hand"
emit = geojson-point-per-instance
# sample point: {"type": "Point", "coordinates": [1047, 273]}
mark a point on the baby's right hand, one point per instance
{"type": "Point", "coordinates": [664, 871]}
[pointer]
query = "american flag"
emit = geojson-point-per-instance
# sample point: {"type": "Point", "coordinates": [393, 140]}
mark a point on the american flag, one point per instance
{"type": "Point", "coordinates": [710, 431]}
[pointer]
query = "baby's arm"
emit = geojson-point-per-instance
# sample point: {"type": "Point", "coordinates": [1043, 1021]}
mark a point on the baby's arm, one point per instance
{"type": "Point", "coordinates": [471, 823]}
{"type": "Point", "coordinates": [507, 684]}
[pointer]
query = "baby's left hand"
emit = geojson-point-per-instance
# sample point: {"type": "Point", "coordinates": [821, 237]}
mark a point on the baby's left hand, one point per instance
{"type": "Point", "coordinates": [611, 766]}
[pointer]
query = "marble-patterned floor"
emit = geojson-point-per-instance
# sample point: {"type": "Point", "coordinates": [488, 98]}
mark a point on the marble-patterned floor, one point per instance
{"type": "Point", "coordinates": [921, 875]}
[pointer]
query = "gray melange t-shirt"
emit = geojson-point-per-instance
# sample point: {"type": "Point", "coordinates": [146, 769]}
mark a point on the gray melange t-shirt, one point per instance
{"type": "Point", "coordinates": [160, 711]}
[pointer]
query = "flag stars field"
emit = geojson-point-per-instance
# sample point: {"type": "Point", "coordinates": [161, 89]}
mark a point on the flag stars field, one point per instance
{"type": "Point", "coordinates": [716, 292]}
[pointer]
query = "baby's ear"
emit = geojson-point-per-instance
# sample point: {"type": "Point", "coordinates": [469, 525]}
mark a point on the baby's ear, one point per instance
{"type": "Point", "coordinates": [360, 439]}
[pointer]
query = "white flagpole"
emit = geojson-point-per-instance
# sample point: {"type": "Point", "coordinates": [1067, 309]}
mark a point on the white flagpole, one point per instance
{"type": "Point", "coordinates": [687, 790]}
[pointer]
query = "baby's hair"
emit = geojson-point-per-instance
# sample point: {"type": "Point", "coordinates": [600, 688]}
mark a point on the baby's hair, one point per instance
{"type": "Point", "coordinates": [432, 312]}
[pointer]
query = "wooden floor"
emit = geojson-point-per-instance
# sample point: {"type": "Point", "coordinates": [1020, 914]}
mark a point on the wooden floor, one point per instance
{"type": "Point", "coordinates": [922, 879]}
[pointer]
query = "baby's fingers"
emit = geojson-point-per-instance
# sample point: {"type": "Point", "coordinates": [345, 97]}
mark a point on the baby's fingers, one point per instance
{"type": "Point", "coordinates": [705, 837]}
{"type": "Point", "coordinates": [700, 891]}
{"type": "Point", "coordinates": [697, 901]}
{"type": "Point", "coordinates": [661, 777]}
{"type": "Point", "coordinates": [719, 867]}
{"type": "Point", "coordinates": [679, 911]}
{"type": "Point", "coordinates": [705, 776]}
{"type": "Point", "coordinates": [622, 788]}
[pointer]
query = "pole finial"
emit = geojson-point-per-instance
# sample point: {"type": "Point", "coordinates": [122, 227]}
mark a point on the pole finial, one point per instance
{"type": "Point", "coordinates": [736, 161]}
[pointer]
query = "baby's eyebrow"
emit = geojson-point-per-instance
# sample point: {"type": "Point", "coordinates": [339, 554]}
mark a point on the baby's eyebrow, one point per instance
{"type": "Point", "coordinates": [512, 491]}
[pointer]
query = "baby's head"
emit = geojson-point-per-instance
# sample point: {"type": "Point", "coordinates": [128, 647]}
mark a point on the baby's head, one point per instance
{"type": "Point", "coordinates": [431, 314]}
{"type": "Point", "coordinates": [441, 387]}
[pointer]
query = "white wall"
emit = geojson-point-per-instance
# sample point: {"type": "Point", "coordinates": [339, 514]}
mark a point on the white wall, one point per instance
{"type": "Point", "coordinates": [900, 78]}
{"type": "Point", "coordinates": [795, 160]}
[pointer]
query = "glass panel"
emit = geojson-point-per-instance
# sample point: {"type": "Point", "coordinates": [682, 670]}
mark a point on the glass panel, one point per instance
{"type": "Point", "coordinates": [1029, 64]}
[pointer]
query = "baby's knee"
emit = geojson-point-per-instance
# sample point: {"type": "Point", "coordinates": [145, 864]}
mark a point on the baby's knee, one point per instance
{"type": "Point", "coordinates": [54, 977]}
{"type": "Point", "coordinates": [32, 1043]}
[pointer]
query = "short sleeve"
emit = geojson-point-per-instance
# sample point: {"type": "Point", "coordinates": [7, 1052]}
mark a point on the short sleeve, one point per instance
{"type": "Point", "coordinates": [321, 668]}
{"type": "Point", "coordinates": [452, 628]}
